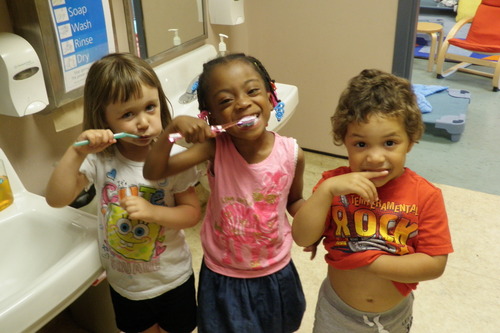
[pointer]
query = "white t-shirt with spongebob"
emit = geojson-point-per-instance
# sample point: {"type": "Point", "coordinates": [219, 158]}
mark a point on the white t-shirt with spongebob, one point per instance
{"type": "Point", "coordinates": [142, 260]}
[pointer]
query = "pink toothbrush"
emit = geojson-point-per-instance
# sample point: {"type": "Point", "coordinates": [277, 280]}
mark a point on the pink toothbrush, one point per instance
{"type": "Point", "coordinates": [243, 122]}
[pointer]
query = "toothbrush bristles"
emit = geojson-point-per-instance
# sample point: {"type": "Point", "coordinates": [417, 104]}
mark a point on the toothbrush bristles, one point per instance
{"type": "Point", "coordinates": [247, 121]}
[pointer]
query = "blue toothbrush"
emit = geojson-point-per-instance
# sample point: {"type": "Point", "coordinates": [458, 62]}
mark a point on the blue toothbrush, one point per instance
{"type": "Point", "coordinates": [116, 136]}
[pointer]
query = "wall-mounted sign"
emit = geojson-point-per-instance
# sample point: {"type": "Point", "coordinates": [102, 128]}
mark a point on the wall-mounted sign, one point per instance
{"type": "Point", "coordinates": [84, 34]}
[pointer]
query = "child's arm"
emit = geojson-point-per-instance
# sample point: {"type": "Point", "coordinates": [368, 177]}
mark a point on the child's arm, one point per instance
{"type": "Point", "coordinates": [409, 268]}
{"type": "Point", "coordinates": [185, 214]}
{"type": "Point", "coordinates": [295, 197]}
{"type": "Point", "coordinates": [159, 164]}
{"type": "Point", "coordinates": [309, 222]}
{"type": "Point", "coordinates": [419, 266]}
{"type": "Point", "coordinates": [66, 181]}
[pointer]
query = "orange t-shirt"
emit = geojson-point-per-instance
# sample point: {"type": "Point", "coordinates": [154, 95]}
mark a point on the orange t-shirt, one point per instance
{"type": "Point", "coordinates": [410, 217]}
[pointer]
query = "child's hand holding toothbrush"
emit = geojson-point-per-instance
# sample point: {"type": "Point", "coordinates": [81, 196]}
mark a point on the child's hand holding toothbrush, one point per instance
{"type": "Point", "coordinates": [94, 141]}
{"type": "Point", "coordinates": [192, 129]}
{"type": "Point", "coordinates": [195, 131]}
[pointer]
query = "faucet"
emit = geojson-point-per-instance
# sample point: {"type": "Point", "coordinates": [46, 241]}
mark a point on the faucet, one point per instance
{"type": "Point", "coordinates": [190, 94]}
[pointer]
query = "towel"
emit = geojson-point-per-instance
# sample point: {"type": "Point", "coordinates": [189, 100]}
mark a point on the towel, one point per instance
{"type": "Point", "coordinates": [421, 91]}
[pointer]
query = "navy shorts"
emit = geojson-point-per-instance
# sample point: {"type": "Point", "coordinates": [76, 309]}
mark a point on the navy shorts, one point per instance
{"type": "Point", "coordinates": [174, 311]}
{"type": "Point", "coordinates": [270, 304]}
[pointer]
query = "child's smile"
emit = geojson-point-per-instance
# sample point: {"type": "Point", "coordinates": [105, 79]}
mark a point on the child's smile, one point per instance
{"type": "Point", "coordinates": [238, 91]}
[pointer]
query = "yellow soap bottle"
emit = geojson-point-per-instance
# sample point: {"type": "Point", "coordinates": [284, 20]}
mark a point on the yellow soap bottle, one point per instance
{"type": "Point", "coordinates": [6, 197]}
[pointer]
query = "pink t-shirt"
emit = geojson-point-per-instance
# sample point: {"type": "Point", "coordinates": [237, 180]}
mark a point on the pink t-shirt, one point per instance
{"type": "Point", "coordinates": [245, 231]}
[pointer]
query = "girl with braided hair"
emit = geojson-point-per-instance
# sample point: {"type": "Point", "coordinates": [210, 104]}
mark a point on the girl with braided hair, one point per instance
{"type": "Point", "coordinates": [248, 282]}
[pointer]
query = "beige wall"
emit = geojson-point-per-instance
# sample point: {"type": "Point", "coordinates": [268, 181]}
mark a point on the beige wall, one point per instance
{"type": "Point", "coordinates": [316, 45]}
{"type": "Point", "coordinates": [164, 15]}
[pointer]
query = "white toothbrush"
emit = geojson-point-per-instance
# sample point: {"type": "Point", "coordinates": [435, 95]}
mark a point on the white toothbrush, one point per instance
{"type": "Point", "coordinates": [243, 122]}
{"type": "Point", "coordinates": [116, 136]}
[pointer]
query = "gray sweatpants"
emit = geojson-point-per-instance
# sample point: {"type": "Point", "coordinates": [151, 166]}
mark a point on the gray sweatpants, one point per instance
{"type": "Point", "coordinates": [333, 315]}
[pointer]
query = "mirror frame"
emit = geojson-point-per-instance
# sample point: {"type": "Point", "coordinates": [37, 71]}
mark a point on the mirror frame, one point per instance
{"type": "Point", "coordinates": [169, 53]}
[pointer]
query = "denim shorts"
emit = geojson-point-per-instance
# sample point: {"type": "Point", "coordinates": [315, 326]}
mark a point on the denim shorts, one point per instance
{"type": "Point", "coordinates": [270, 304]}
{"type": "Point", "coordinates": [334, 315]}
{"type": "Point", "coordinates": [174, 311]}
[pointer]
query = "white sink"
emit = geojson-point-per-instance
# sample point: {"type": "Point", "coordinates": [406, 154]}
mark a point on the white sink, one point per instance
{"type": "Point", "coordinates": [49, 257]}
{"type": "Point", "coordinates": [176, 74]}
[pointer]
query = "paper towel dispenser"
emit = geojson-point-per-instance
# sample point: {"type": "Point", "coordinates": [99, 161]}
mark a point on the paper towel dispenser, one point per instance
{"type": "Point", "coordinates": [226, 12]}
{"type": "Point", "coordinates": [68, 36]}
{"type": "Point", "coordinates": [22, 87]}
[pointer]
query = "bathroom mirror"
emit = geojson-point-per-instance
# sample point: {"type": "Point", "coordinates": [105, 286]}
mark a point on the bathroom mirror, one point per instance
{"type": "Point", "coordinates": [149, 22]}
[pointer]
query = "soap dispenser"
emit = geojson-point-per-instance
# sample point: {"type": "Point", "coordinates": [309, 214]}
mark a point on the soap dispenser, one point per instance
{"type": "Point", "coordinates": [222, 45]}
{"type": "Point", "coordinates": [22, 87]}
{"type": "Point", "coordinates": [177, 39]}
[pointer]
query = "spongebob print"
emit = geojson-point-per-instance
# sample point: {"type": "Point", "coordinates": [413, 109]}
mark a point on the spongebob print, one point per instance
{"type": "Point", "coordinates": [132, 239]}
